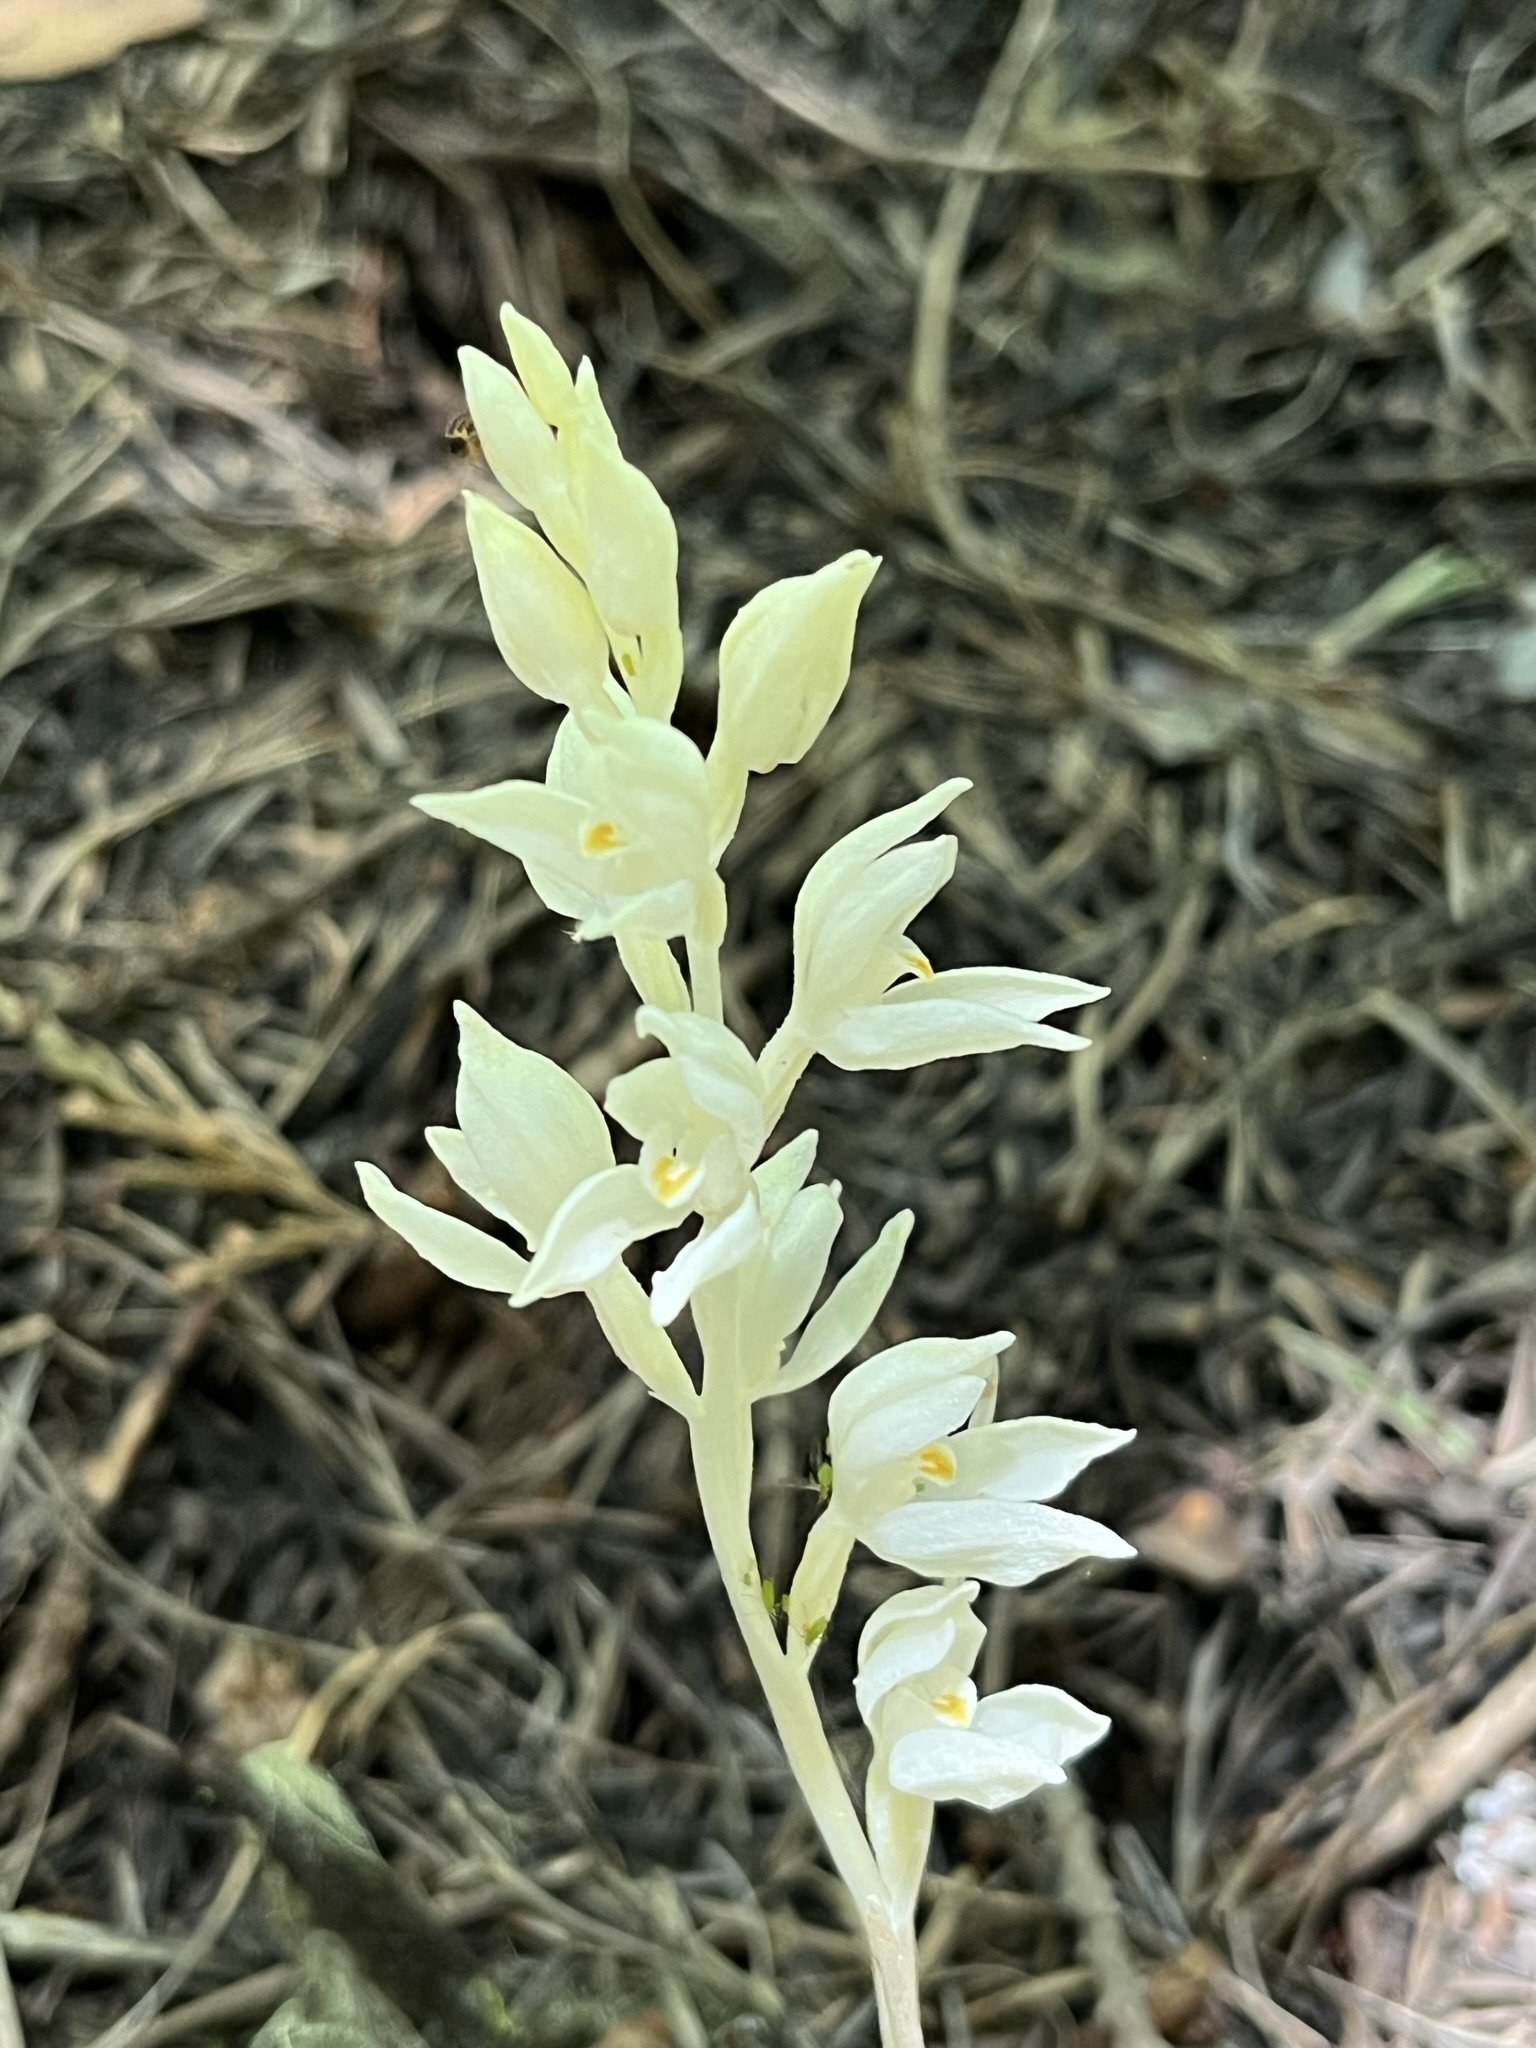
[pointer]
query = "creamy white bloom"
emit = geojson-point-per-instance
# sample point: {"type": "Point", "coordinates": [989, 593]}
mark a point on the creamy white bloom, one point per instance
{"type": "Point", "coordinates": [947, 1505]}
{"type": "Point", "coordinates": [934, 1739]}
{"type": "Point", "coordinates": [915, 1660]}
{"type": "Point", "coordinates": [616, 836]}
{"type": "Point", "coordinates": [698, 1113]}
{"type": "Point", "coordinates": [528, 1137]}
{"type": "Point", "coordinates": [784, 665]}
{"type": "Point", "coordinates": [865, 994]}
{"type": "Point", "coordinates": [745, 1310]}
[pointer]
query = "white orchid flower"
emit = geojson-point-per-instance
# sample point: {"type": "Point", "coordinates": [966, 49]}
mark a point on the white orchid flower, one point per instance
{"type": "Point", "coordinates": [865, 994]}
{"type": "Point", "coordinates": [698, 1113]}
{"type": "Point", "coordinates": [616, 836]}
{"type": "Point", "coordinates": [915, 1658]}
{"type": "Point", "coordinates": [744, 1311]}
{"type": "Point", "coordinates": [529, 1138]}
{"type": "Point", "coordinates": [934, 1739]}
{"type": "Point", "coordinates": [957, 1506]}
{"type": "Point", "coordinates": [784, 665]}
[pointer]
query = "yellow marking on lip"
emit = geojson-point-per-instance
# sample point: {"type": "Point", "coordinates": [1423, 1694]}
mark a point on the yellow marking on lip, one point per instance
{"type": "Point", "coordinates": [669, 1176]}
{"type": "Point", "coordinates": [937, 1462]}
{"type": "Point", "coordinates": [954, 1707]}
{"type": "Point", "coordinates": [603, 837]}
{"type": "Point", "coordinates": [918, 961]}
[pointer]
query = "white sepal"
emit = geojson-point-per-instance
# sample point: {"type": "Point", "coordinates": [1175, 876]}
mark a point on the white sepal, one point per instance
{"type": "Point", "coordinates": [1013, 1743]}
{"type": "Point", "coordinates": [963, 1010]}
{"type": "Point", "coordinates": [456, 1248]}
{"type": "Point", "coordinates": [1007, 1543]}
{"type": "Point", "coordinates": [719, 1249]}
{"type": "Point", "coordinates": [594, 1225]}
{"type": "Point", "coordinates": [848, 1311]}
{"type": "Point", "coordinates": [535, 1134]}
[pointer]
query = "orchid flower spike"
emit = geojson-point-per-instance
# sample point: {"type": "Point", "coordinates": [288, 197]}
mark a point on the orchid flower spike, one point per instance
{"type": "Point", "coordinates": [624, 835]}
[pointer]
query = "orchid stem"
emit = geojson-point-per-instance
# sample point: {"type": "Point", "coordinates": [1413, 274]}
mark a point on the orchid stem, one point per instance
{"type": "Point", "coordinates": [721, 1435]}
{"type": "Point", "coordinates": [704, 977]}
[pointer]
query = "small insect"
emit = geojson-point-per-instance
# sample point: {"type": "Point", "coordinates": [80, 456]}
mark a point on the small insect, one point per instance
{"type": "Point", "coordinates": [462, 439]}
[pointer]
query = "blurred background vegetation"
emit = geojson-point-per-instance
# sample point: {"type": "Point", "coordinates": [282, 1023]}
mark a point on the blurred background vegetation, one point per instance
{"type": "Point", "coordinates": [1180, 360]}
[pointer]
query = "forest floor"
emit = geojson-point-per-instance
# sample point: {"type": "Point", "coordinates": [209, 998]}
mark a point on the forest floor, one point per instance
{"type": "Point", "coordinates": [1180, 361]}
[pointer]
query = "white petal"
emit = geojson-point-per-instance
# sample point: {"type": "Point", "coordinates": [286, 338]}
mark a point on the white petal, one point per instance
{"type": "Point", "coordinates": [795, 1261]}
{"type": "Point", "coordinates": [545, 624]}
{"type": "Point", "coordinates": [1007, 1543]}
{"type": "Point", "coordinates": [712, 1254]}
{"type": "Point", "coordinates": [537, 825]}
{"type": "Point", "coordinates": [959, 1763]}
{"type": "Point", "coordinates": [650, 1102]}
{"type": "Point", "coordinates": [593, 1226]}
{"type": "Point", "coordinates": [831, 876]}
{"type": "Point", "coordinates": [880, 1038]}
{"type": "Point", "coordinates": [857, 929]}
{"type": "Point", "coordinates": [541, 367]}
{"type": "Point", "coordinates": [781, 1178]}
{"type": "Point", "coordinates": [535, 1132]}
{"type": "Point", "coordinates": [909, 1368]}
{"type": "Point", "coordinates": [1043, 1719]}
{"type": "Point", "coordinates": [1030, 1459]}
{"type": "Point", "coordinates": [913, 1633]}
{"type": "Point", "coordinates": [458, 1155]}
{"type": "Point", "coordinates": [721, 1076]}
{"type": "Point", "coordinates": [455, 1248]}
{"type": "Point", "coordinates": [891, 1431]}
{"type": "Point", "coordinates": [848, 1310]}
{"type": "Point", "coordinates": [1015, 992]}
{"type": "Point", "coordinates": [784, 662]}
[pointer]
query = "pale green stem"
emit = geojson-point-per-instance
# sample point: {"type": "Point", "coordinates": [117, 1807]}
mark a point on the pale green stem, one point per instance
{"type": "Point", "coordinates": [704, 975]}
{"type": "Point", "coordinates": [781, 1062]}
{"type": "Point", "coordinates": [893, 1961]}
{"type": "Point", "coordinates": [721, 1432]}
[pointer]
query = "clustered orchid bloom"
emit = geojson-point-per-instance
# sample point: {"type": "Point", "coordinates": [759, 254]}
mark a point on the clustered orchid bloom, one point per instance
{"type": "Point", "coordinates": [625, 836]}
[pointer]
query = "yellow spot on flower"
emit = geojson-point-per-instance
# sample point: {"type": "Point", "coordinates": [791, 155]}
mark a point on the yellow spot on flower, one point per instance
{"type": "Point", "coordinates": [937, 1462]}
{"type": "Point", "coordinates": [918, 961]}
{"type": "Point", "coordinates": [954, 1707]}
{"type": "Point", "coordinates": [603, 837]}
{"type": "Point", "coordinates": [669, 1176]}
{"type": "Point", "coordinates": [627, 663]}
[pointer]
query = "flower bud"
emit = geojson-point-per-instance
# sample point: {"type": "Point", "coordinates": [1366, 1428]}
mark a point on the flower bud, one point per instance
{"type": "Point", "coordinates": [784, 663]}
